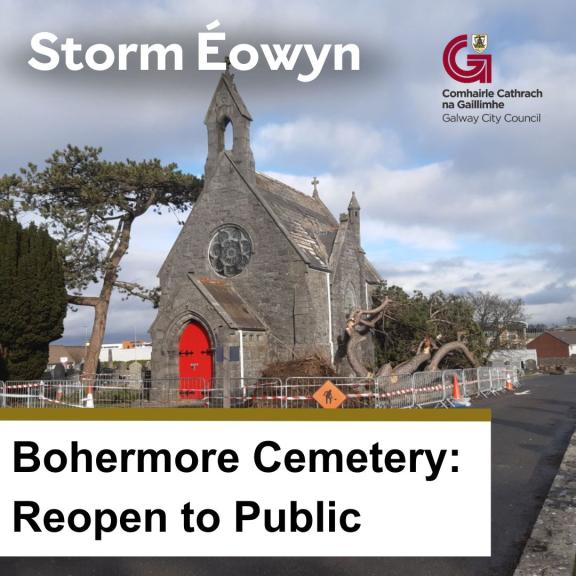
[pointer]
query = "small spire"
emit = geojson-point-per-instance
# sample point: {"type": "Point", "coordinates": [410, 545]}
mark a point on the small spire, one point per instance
{"type": "Point", "coordinates": [315, 183]}
{"type": "Point", "coordinates": [353, 203]}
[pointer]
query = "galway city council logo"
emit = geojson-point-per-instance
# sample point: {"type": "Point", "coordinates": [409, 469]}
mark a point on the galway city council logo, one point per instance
{"type": "Point", "coordinates": [479, 65]}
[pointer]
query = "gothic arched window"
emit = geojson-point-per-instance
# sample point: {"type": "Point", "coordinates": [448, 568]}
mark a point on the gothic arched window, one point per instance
{"type": "Point", "coordinates": [350, 300]}
{"type": "Point", "coordinates": [228, 136]}
{"type": "Point", "coordinates": [230, 250]}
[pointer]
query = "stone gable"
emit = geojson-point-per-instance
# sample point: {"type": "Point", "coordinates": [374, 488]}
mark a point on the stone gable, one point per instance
{"type": "Point", "coordinates": [264, 271]}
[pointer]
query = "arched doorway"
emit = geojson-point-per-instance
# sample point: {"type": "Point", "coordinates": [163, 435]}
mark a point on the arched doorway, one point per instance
{"type": "Point", "coordinates": [195, 353]}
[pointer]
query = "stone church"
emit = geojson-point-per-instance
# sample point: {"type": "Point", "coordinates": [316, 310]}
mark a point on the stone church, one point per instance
{"type": "Point", "coordinates": [260, 271]}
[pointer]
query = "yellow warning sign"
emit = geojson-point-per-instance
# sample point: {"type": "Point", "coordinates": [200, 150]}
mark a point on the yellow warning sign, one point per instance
{"type": "Point", "coordinates": [329, 396]}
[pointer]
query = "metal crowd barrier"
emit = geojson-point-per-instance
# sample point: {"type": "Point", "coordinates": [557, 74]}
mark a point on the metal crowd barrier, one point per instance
{"type": "Point", "coordinates": [484, 382]}
{"type": "Point", "coordinates": [428, 389]}
{"type": "Point", "coordinates": [419, 390]}
{"type": "Point", "coordinates": [360, 392]}
{"type": "Point", "coordinates": [396, 391]}
{"type": "Point", "coordinates": [471, 382]}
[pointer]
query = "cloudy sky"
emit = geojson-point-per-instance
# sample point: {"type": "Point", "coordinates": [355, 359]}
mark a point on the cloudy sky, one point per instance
{"type": "Point", "coordinates": [452, 207]}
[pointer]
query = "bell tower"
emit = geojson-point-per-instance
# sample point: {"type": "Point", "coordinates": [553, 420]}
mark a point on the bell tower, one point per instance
{"type": "Point", "coordinates": [227, 111]}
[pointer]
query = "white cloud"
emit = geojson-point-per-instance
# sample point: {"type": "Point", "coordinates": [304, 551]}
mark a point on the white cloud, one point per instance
{"type": "Point", "coordinates": [126, 318]}
{"type": "Point", "coordinates": [413, 235]}
{"type": "Point", "coordinates": [308, 141]}
{"type": "Point", "coordinates": [433, 197]}
{"type": "Point", "coordinates": [422, 184]}
{"type": "Point", "coordinates": [510, 278]}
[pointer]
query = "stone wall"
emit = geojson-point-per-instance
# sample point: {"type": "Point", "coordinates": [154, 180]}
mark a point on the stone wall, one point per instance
{"type": "Point", "coordinates": [288, 297]}
{"type": "Point", "coordinates": [566, 362]}
{"type": "Point", "coordinates": [349, 290]}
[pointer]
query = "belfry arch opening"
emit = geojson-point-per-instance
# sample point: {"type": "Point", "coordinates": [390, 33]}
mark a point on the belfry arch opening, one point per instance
{"type": "Point", "coordinates": [227, 134]}
{"type": "Point", "coordinates": [228, 124]}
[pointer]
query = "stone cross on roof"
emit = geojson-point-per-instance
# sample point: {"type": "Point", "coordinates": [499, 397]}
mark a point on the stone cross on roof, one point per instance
{"type": "Point", "coordinates": [315, 183]}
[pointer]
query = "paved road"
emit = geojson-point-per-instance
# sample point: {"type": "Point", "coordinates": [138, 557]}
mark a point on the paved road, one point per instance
{"type": "Point", "coordinates": [529, 435]}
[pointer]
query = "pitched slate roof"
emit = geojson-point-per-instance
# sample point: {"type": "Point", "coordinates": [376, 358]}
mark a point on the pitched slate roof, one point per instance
{"type": "Point", "coordinates": [222, 295]}
{"type": "Point", "coordinates": [73, 353]}
{"type": "Point", "coordinates": [309, 223]}
{"type": "Point", "coordinates": [567, 336]}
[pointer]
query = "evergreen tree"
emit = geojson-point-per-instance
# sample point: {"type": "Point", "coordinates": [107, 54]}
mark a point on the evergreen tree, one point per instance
{"type": "Point", "coordinates": [90, 206]}
{"type": "Point", "coordinates": [33, 299]}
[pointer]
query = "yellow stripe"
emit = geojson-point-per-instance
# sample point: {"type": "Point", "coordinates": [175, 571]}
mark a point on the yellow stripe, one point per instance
{"type": "Point", "coordinates": [249, 414]}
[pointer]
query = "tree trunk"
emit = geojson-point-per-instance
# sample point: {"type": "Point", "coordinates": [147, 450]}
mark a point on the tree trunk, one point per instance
{"type": "Point", "coordinates": [363, 320]}
{"type": "Point", "coordinates": [384, 371]}
{"type": "Point", "coordinates": [96, 339]}
{"type": "Point", "coordinates": [410, 366]}
{"type": "Point", "coordinates": [447, 349]}
{"type": "Point", "coordinates": [352, 353]}
{"type": "Point", "coordinates": [103, 303]}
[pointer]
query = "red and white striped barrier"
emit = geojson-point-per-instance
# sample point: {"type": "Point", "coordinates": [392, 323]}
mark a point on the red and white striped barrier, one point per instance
{"type": "Point", "coordinates": [60, 402]}
{"type": "Point", "coordinates": [406, 391]}
{"type": "Point", "coordinates": [24, 386]}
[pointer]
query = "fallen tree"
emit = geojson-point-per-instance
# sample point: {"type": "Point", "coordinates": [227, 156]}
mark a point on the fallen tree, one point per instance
{"type": "Point", "coordinates": [430, 352]}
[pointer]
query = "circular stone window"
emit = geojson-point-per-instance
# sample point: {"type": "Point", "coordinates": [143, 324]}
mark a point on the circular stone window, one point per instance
{"type": "Point", "coordinates": [230, 250]}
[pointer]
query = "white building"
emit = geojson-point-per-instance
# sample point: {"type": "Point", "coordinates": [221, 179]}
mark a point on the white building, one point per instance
{"type": "Point", "coordinates": [125, 352]}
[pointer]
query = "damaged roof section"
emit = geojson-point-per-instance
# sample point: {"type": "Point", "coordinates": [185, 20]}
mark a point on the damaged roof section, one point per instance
{"type": "Point", "coordinates": [310, 224]}
{"type": "Point", "coordinates": [308, 221]}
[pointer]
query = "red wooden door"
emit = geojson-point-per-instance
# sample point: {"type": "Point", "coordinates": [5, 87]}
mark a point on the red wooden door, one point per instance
{"type": "Point", "coordinates": [195, 361]}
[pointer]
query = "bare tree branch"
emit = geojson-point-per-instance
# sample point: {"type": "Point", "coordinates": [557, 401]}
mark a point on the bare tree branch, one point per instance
{"type": "Point", "coordinates": [139, 291]}
{"type": "Point", "coordinates": [83, 300]}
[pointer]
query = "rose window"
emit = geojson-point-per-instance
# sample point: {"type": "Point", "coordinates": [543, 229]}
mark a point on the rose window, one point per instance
{"type": "Point", "coordinates": [230, 251]}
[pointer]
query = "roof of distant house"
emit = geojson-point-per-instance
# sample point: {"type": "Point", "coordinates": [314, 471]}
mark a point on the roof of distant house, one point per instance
{"type": "Point", "coordinates": [74, 354]}
{"type": "Point", "coordinates": [567, 336]}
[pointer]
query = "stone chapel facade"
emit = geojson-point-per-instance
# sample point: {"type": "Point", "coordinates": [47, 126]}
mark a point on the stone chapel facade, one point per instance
{"type": "Point", "coordinates": [260, 271]}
